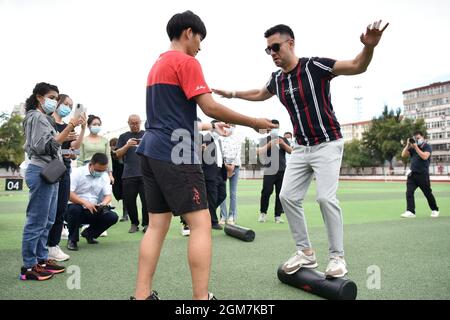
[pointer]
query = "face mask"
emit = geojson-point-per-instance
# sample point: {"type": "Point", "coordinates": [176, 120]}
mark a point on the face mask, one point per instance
{"type": "Point", "coordinates": [420, 142]}
{"type": "Point", "coordinates": [63, 110]}
{"type": "Point", "coordinates": [49, 106]}
{"type": "Point", "coordinates": [231, 130]}
{"type": "Point", "coordinates": [95, 129]}
{"type": "Point", "coordinates": [96, 174]}
{"type": "Point", "coordinates": [274, 132]}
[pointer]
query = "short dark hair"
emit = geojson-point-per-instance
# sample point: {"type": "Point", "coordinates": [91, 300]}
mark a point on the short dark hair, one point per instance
{"type": "Point", "coordinates": [41, 89]}
{"type": "Point", "coordinates": [281, 29]}
{"type": "Point", "coordinates": [99, 158]}
{"type": "Point", "coordinates": [91, 119]}
{"type": "Point", "coordinates": [418, 132]}
{"type": "Point", "coordinates": [182, 21]}
{"type": "Point", "coordinates": [275, 121]}
{"type": "Point", "coordinates": [290, 133]}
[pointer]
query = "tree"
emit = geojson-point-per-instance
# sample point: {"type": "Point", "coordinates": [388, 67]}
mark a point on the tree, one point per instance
{"type": "Point", "coordinates": [357, 156]}
{"type": "Point", "coordinates": [12, 139]}
{"type": "Point", "coordinates": [385, 138]}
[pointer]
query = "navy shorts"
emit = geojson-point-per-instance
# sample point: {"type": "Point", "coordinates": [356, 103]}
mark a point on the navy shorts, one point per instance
{"type": "Point", "coordinates": [173, 188]}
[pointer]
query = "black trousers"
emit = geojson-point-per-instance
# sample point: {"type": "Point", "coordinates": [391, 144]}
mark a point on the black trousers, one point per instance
{"type": "Point", "coordinates": [422, 181]}
{"type": "Point", "coordinates": [217, 192]}
{"type": "Point", "coordinates": [132, 187]}
{"type": "Point", "coordinates": [269, 181]}
{"type": "Point", "coordinates": [54, 236]}
{"type": "Point", "coordinates": [98, 222]}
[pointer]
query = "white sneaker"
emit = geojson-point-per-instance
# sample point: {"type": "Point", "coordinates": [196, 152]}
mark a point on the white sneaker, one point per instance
{"type": "Point", "coordinates": [185, 231]}
{"type": "Point", "coordinates": [262, 217]}
{"type": "Point", "coordinates": [65, 234]}
{"type": "Point", "coordinates": [222, 221]}
{"type": "Point", "coordinates": [299, 260]}
{"type": "Point", "coordinates": [55, 253]}
{"type": "Point", "coordinates": [337, 268]}
{"type": "Point", "coordinates": [279, 220]}
{"type": "Point", "coordinates": [211, 296]}
{"type": "Point", "coordinates": [408, 214]}
{"type": "Point", "coordinates": [104, 234]}
{"type": "Point", "coordinates": [231, 221]}
{"type": "Point", "coordinates": [434, 214]}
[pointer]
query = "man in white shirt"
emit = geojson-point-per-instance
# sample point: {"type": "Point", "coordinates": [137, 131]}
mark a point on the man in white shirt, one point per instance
{"type": "Point", "coordinates": [90, 195]}
{"type": "Point", "coordinates": [231, 145]}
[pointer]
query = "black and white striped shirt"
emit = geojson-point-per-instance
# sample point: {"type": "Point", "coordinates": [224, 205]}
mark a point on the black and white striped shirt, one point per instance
{"type": "Point", "coordinates": [305, 92]}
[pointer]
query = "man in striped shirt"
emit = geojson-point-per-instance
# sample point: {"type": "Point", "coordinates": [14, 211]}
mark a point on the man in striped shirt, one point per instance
{"type": "Point", "coordinates": [303, 87]}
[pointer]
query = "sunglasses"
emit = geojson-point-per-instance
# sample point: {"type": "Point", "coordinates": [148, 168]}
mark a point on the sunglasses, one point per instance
{"type": "Point", "coordinates": [275, 47]}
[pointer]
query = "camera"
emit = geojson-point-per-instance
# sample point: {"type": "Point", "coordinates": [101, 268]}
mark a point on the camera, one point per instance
{"type": "Point", "coordinates": [412, 140]}
{"type": "Point", "coordinates": [100, 208]}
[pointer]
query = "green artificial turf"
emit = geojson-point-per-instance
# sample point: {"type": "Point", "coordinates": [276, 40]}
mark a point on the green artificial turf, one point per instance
{"type": "Point", "coordinates": [413, 255]}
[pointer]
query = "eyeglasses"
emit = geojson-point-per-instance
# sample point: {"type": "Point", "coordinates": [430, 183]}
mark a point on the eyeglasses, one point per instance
{"type": "Point", "coordinates": [275, 47]}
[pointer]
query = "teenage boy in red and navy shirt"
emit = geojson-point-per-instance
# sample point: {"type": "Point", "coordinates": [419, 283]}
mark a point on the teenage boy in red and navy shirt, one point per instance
{"type": "Point", "coordinates": [173, 177]}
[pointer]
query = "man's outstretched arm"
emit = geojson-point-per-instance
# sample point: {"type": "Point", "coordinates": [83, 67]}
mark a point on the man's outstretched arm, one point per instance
{"type": "Point", "coordinates": [359, 65]}
{"type": "Point", "coordinates": [218, 111]}
{"type": "Point", "coordinates": [250, 95]}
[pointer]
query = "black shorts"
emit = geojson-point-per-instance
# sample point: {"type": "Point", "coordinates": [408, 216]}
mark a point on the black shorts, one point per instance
{"type": "Point", "coordinates": [173, 188]}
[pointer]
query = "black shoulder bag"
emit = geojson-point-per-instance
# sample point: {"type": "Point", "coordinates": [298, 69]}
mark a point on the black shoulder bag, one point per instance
{"type": "Point", "coordinates": [54, 170]}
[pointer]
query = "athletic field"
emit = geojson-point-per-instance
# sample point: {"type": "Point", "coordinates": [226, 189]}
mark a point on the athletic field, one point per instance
{"type": "Point", "coordinates": [412, 256]}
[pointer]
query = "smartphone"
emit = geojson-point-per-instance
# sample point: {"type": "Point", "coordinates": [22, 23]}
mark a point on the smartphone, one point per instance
{"type": "Point", "coordinates": [137, 140]}
{"type": "Point", "coordinates": [70, 152]}
{"type": "Point", "coordinates": [79, 110]}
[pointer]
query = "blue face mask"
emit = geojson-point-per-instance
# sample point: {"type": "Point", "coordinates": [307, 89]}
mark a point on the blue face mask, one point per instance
{"type": "Point", "coordinates": [95, 129]}
{"type": "Point", "coordinates": [49, 106]}
{"type": "Point", "coordinates": [63, 110]}
{"type": "Point", "coordinates": [420, 142]}
{"type": "Point", "coordinates": [96, 174]}
{"type": "Point", "coordinates": [274, 132]}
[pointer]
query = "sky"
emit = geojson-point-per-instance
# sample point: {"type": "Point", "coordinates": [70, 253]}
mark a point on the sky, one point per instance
{"type": "Point", "coordinates": [100, 51]}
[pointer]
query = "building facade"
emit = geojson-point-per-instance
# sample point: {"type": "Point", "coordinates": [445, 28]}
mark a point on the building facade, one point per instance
{"type": "Point", "coordinates": [354, 130]}
{"type": "Point", "coordinates": [432, 103]}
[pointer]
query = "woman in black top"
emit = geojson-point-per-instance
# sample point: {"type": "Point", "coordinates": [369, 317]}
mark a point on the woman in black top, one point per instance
{"type": "Point", "coordinates": [72, 142]}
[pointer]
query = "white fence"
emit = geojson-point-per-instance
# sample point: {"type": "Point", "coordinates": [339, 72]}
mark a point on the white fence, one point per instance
{"type": "Point", "coordinates": [376, 173]}
{"type": "Point", "coordinates": [437, 172]}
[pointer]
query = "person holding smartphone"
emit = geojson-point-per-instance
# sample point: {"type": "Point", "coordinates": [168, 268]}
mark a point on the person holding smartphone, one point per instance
{"type": "Point", "coordinates": [132, 182]}
{"type": "Point", "coordinates": [43, 143]}
{"type": "Point", "coordinates": [72, 142]}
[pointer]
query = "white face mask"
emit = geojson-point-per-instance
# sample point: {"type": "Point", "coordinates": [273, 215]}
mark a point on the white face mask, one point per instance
{"type": "Point", "coordinates": [274, 132]}
{"type": "Point", "coordinates": [95, 129]}
{"type": "Point", "coordinates": [49, 105]}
